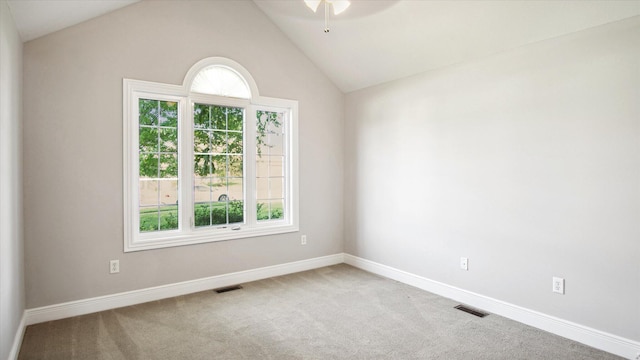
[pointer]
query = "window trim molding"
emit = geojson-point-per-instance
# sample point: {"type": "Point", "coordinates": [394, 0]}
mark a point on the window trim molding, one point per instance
{"type": "Point", "coordinates": [132, 89]}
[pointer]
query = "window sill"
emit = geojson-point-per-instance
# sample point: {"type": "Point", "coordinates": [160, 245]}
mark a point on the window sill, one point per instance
{"type": "Point", "coordinates": [200, 236]}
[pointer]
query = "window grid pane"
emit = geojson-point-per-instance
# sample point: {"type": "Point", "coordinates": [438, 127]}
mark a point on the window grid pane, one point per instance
{"type": "Point", "coordinates": [270, 176]}
{"type": "Point", "coordinates": [218, 165]}
{"type": "Point", "coordinates": [158, 165]}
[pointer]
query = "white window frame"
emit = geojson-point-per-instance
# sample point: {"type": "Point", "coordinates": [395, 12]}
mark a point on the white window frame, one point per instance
{"type": "Point", "coordinates": [187, 233]}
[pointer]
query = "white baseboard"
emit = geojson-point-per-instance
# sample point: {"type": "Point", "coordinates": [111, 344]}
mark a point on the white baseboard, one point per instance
{"type": "Point", "coordinates": [598, 339]}
{"type": "Point", "coordinates": [17, 339]}
{"type": "Point", "coordinates": [595, 338]}
{"type": "Point", "coordinates": [87, 306]}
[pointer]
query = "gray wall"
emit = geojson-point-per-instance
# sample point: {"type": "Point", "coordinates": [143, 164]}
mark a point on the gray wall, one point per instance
{"type": "Point", "coordinates": [527, 162]}
{"type": "Point", "coordinates": [73, 145]}
{"type": "Point", "coordinates": [12, 301]}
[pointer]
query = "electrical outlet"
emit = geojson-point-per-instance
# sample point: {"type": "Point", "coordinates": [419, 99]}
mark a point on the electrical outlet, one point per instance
{"type": "Point", "coordinates": [464, 263]}
{"type": "Point", "coordinates": [114, 266]}
{"type": "Point", "coordinates": [303, 240]}
{"type": "Point", "coordinates": [558, 285]}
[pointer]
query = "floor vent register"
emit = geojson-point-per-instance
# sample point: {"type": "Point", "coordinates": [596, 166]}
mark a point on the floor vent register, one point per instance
{"type": "Point", "coordinates": [471, 311]}
{"type": "Point", "coordinates": [227, 289]}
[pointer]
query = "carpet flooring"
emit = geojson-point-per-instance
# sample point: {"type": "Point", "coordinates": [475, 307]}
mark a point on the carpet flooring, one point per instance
{"type": "Point", "coordinates": [337, 312]}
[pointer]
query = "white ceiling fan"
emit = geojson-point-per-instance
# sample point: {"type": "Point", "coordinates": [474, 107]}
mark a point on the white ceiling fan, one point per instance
{"type": "Point", "coordinates": [338, 7]}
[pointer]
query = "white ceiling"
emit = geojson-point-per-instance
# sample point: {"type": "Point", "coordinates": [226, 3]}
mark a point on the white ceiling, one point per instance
{"type": "Point", "coordinates": [375, 41]}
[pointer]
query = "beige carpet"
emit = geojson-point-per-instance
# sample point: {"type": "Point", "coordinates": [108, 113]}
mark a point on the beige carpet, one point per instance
{"type": "Point", "coordinates": [337, 312]}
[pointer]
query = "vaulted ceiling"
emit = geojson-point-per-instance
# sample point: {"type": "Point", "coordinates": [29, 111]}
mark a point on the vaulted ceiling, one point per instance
{"type": "Point", "coordinates": [375, 41]}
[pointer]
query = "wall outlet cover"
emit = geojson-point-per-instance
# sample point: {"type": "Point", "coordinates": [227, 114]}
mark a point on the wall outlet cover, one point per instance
{"type": "Point", "coordinates": [558, 285]}
{"type": "Point", "coordinates": [114, 266]}
{"type": "Point", "coordinates": [464, 263]}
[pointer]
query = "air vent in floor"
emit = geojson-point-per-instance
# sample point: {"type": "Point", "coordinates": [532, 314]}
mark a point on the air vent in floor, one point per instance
{"type": "Point", "coordinates": [227, 289]}
{"type": "Point", "coordinates": [471, 311]}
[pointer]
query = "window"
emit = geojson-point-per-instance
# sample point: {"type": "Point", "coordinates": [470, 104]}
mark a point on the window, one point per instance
{"type": "Point", "coordinates": [209, 160]}
{"type": "Point", "coordinates": [158, 164]}
{"type": "Point", "coordinates": [218, 165]}
{"type": "Point", "coordinates": [270, 177]}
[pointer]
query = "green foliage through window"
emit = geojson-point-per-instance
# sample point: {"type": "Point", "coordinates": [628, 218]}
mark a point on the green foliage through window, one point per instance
{"type": "Point", "coordinates": [158, 164]}
{"type": "Point", "coordinates": [216, 213]}
{"type": "Point", "coordinates": [270, 178]}
{"type": "Point", "coordinates": [218, 146]}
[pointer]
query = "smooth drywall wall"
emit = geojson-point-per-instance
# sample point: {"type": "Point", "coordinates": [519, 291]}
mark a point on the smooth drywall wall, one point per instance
{"type": "Point", "coordinates": [526, 162]}
{"type": "Point", "coordinates": [73, 145]}
{"type": "Point", "coordinates": [12, 302]}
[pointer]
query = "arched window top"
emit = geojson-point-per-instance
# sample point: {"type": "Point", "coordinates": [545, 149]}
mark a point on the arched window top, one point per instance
{"type": "Point", "coordinates": [222, 77]}
{"type": "Point", "coordinates": [221, 80]}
